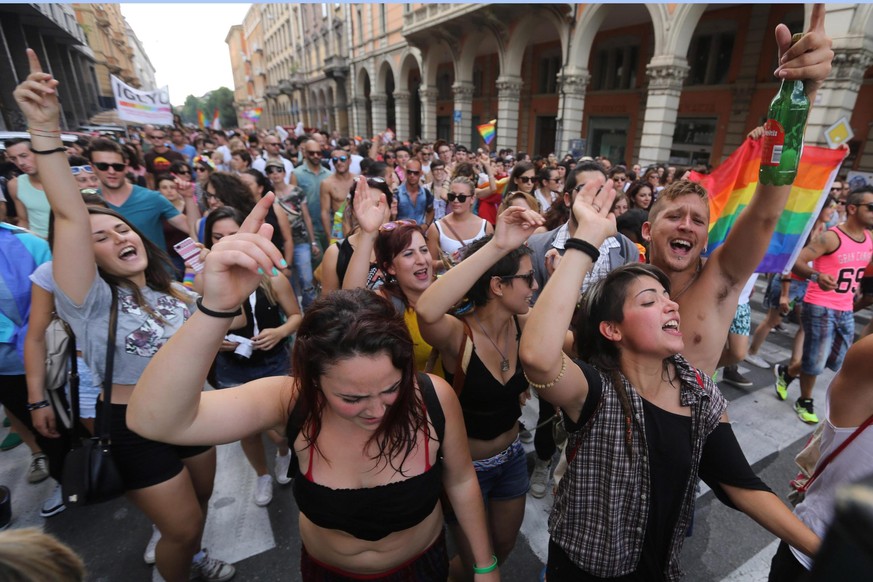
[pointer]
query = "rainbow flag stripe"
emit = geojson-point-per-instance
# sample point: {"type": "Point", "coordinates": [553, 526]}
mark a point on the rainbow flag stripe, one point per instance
{"type": "Point", "coordinates": [732, 185]}
{"type": "Point", "coordinates": [488, 131]}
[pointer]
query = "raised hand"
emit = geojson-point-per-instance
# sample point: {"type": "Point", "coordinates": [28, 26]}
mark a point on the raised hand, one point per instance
{"type": "Point", "coordinates": [514, 226]}
{"type": "Point", "coordinates": [37, 96]}
{"type": "Point", "coordinates": [592, 210]}
{"type": "Point", "coordinates": [370, 206]}
{"type": "Point", "coordinates": [810, 59]}
{"type": "Point", "coordinates": [234, 267]}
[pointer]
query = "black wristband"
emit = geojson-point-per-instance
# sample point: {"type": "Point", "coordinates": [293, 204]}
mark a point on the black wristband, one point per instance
{"type": "Point", "coordinates": [219, 314]}
{"type": "Point", "coordinates": [37, 405]}
{"type": "Point", "coordinates": [47, 152]}
{"type": "Point", "coordinates": [583, 245]}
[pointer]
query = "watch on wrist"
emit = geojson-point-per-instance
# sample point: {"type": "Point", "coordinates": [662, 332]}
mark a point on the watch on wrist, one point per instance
{"type": "Point", "coordinates": [814, 277]}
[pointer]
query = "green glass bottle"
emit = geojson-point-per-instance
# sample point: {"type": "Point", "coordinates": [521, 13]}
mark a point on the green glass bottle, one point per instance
{"type": "Point", "coordinates": [783, 132]}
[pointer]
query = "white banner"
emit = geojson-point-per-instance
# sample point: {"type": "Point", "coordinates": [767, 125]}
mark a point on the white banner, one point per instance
{"type": "Point", "coordinates": [142, 106]}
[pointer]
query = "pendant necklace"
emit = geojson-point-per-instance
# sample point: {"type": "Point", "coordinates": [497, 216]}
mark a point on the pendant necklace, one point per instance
{"type": "Point", "coordinates": [504, 363]}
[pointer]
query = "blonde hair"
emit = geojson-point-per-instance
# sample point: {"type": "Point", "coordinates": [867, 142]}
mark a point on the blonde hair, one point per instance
{"type": "Point", "coordinates": [466, 182]}
{"type": "Point", "coordinates": [28, 555]}
{"type": "Point", "coordinates": [531, 200]}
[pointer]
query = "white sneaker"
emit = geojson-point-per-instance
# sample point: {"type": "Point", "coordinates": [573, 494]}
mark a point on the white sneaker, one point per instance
{"type": "Point", "coordinates": [264, 490]}
{"type": "Point", "coordinates": [149, 555]}
{"type": "Point", "coordinates": [539, 480]}
{"type": "Point", "coordinates": [54, 503]}
{"type": "Point", "coordinates": [281, 469]}
{"type": "Point", "coordinates": [757, 360]}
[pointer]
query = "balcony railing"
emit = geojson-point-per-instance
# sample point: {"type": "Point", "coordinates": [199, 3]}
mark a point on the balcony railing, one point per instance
{"type": "Point", "coordinates": [427, 15]}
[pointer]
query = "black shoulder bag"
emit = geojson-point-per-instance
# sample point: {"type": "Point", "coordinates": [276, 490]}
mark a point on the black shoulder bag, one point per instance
{"type": "Point", "coordinates": [90, 475]}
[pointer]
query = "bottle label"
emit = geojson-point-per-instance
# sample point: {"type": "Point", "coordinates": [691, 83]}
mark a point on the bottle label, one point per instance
{"type": "Point", "coordinates": [772, 142]}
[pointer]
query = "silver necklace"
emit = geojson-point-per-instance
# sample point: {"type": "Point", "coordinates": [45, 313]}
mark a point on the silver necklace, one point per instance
{"type": "Point", "coordinates": [504, 363]}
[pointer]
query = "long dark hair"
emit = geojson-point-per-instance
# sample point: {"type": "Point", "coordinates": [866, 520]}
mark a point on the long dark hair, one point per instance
{"type": "Point", "coordinates": [389, 244]}
{"type": "Point", "coordinates": [157, 272]}
{"type": "Point", "coordinates": [506, 266]}
{"type": "Point", "coordinates": [350, 323]}
{"type": "Point", "coordinates": [604, 301]}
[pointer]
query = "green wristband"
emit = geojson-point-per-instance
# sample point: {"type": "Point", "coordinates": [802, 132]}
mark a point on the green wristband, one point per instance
{"type": "Point", "coordinates": [486, 569]}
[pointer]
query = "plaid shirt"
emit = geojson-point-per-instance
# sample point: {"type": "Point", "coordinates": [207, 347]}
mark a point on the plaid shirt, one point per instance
{"type": "Point", "coordinates": [602, 504]}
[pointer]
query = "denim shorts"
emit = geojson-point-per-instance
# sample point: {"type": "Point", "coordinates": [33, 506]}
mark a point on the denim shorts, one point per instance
{"type": "Point", "coordinates": [742, 323]}
{"type": "Point", "coordinates": [828, 333]}
{"type": "Point", "coordinates": [796, 291]}
{"type": "Point", "coordinates": [504, 476]}
{"type": "Point", "coordinates": [230, 370]}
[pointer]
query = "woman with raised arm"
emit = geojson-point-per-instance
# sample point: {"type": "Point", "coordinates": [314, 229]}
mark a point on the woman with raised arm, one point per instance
{"type": "Point", "coordinates": [640, 418]}
{"type": "Point", "coordinates": [376, 443]}
{"type": "Point", "coordinates": [497, 277]}
{"type": "Point", "coordinates": [98, 255]}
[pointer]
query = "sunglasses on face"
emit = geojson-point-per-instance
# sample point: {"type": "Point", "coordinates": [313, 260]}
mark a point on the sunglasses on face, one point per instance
{"type": "Point", "coordinates": [337, 159]}
{"type": "Point", "coordinates": [413, 172]}
{"type": "Point", "coordinates": [313, 153]}
{"type": "Point", "coordinates": [868, 206]}
{"type": "Point", "coordinates": [459, 197]}
{"type": "Point", "coordinates": [201, 169]}
{"type": "Point", "coordinates": [272, 144]}
{"type": "Point", "coordinates": [389, 226]}
{"type": "Point", "coordinates": [840, 202]}
{"type": "Point", "coordinates": [527, 278]}
{"type": "Point", "coordinates": [184, 171]}
{"type": "Point", "coordinates": [526, 179]}
{"type": "Point", "coordinates": [275, 170]}
{"type": "Point", "coordinates": [79, 169]}
{"type": "Point", "coordinates": [103, 166]}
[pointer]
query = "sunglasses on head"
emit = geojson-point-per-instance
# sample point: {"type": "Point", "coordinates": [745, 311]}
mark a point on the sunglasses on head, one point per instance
{"type": "Point", "coordinates": [336, 159]}
{"type": "Point", "coordinates": [526, 179]}
{"type": "Point", "coordinates": [459, 197]}
{"type": "Point", "coordinates": [389, 226]}
{"type": "Point", "coordinates": [79, 169]}
{"type": "Point", "coordinates": [527, 278]}
{"type": "Point", "coordinates": [103, 166]}
{"type": "Point", "coordinates": [275, 170]}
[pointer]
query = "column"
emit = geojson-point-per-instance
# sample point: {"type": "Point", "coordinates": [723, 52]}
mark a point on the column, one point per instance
{"type": "Point", "coordinates": [462, 92]}
{"type": "Point", "coordinates": [360, 112]}
{"type": "Point", "coordinates": [379, 117]}
{"type": "Point", "coordinates": [571, 108]}
{"type": "Point", "coordinates": [401, 114]}
{"type": "Point", "coordinates": [508, 95]}
{"type": "Point", "coordinates": [839, 95]}
{"type": "Point", "coordinates": [428, 113]}
{"type": "Point", "coordinates": [665, 74]}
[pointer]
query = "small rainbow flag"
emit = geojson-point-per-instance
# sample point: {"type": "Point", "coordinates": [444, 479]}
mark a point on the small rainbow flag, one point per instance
{"type": "Point", "coordinates": [733, 183]}
{"type": "Point", "coordinates": [216, 121]}
{"type": "Point", "coordinates": [201, 119]}
{"type": "Point", "coordinates": [488, 131]}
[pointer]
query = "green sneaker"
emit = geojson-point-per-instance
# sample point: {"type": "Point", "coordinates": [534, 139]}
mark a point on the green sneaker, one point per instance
{"type": "Point", "coordinates": [803, 408]}
{"type": "Point", "coordinates": [11, 441]}
{"type": "Point", "coordinates": [779, 371]}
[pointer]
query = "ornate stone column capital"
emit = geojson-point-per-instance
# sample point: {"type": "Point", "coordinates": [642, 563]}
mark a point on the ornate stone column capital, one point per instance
{"type": "Point", "coordinates": [462, 91]}
{"type": "Point", "coordinates": [574, 85]}
{"type": "Point", "coordinates": [849, 66]}
{"type": "Point", "coordinates": [666, 78]}
{"type": "Point", "coordinates": [401, 96]}
{"type": "Point", "coordinates": [428, 94]}
{"type": "Point", "coordinates": [509, 88]}
{"type": "Point", "coordinates": [359, 101]}
{"type": "Point", "coordinates": [378, 98]}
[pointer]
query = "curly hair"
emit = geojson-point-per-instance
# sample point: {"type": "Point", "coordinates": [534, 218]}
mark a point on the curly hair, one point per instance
{"type": "Point", "coordinates": [231, 191]}
{"type": "Point", "coordinates": [350, 323]}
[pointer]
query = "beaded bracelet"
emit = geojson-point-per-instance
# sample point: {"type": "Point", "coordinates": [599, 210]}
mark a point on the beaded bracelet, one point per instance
{"type": "Point", "coordinates": [219, 314]}
{"type": "Point", "coordinates": [47, 152]}
{"type": "Point", "coordinates": [486, 569]}
{"type": "Point", "coordinates": [553, 382]}
{"type": "Point", "coordinates": [584, 246]}
{"type": "Point", "coordinates": [37, 405]}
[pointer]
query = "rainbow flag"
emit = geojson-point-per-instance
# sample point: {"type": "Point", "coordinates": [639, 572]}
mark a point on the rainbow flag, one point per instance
{"type": "Point", "coordinates": [733, 183]}
{"type": "Point", "coordinates": [201, 119]}
{"type": "Point", "coordinates": [216, 122]}
{"type": "Point", "coordinates": [488, 131]}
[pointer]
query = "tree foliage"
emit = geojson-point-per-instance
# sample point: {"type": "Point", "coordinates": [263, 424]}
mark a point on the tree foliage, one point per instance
{"type": "Point", "coordinates": [221, 98]}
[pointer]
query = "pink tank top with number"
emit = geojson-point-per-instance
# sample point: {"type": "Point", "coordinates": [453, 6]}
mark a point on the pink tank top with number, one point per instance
{"type": "Point", "coordinates": [847, 265]}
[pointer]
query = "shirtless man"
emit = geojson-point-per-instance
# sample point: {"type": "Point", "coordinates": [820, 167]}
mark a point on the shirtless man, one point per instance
{"type": "Point", "coordinates": [334, 193]}
{"type": "Point", "coordinates": [708, 292]}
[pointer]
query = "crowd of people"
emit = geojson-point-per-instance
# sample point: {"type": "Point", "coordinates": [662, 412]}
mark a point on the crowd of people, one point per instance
{"type": "Point", "coordinates": [381, 311]}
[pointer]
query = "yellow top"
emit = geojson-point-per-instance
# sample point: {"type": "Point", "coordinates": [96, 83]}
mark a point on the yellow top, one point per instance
{"type": "Point", "coordinates": [421, 348]}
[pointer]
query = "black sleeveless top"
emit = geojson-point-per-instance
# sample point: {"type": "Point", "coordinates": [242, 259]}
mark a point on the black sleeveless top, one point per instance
{"type": "Point", "coordinates": [375, 512]}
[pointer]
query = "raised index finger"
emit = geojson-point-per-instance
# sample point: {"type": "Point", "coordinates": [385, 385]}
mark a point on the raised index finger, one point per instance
{"type": "Point", "coordinates": [33, 60]}
{"type": "Point", "coordinates": [256, 217]}
{"type": "Point", "coordinates": [817, 18]}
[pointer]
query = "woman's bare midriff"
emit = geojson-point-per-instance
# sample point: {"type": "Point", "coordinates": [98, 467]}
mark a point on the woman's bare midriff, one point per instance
{"type": "Point", "coordinates": [346, 552]}
{"type": "Point", "coordinates": [480, 449]}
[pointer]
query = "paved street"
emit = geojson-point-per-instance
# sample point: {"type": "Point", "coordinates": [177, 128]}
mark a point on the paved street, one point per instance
{"type": "Point", "coordinates": [264, 545]}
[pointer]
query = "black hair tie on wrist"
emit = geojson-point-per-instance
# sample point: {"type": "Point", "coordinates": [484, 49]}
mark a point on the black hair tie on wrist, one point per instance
{"type": "Point", "coordinates": [47, 152]}
{"type": "Point", "coordinates": [583, 245]}
{"type": "Point", "coordinates": [219, 314]}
